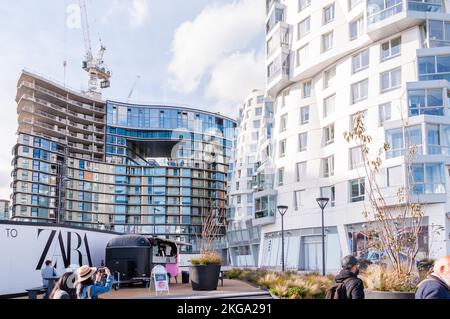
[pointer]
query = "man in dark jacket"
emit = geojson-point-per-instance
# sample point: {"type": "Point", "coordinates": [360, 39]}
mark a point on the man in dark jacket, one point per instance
{"type": "Point", "coordinates": [354, 286]}
{"type": "Point", "coordinates": [436, 285]}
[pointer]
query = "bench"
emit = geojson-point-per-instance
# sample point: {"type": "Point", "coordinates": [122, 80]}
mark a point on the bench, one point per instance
{"type": "Point", "coordinates": [34, 292]}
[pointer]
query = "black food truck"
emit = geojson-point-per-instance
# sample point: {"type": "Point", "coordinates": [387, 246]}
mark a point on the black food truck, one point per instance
{"type": "Point", "coordinates": [132, 257]}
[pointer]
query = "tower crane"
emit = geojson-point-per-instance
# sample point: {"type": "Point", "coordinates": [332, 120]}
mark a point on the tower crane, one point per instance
{"type": "Point", "coordinates": [93, 65]}
{"type": "Point", "coordinates": [133, 87]}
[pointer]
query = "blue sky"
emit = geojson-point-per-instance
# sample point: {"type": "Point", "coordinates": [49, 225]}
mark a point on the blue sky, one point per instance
{"type": "Point", "coordinates": [203, 53]}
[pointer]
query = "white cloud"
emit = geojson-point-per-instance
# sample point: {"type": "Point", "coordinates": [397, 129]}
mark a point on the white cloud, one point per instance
{"type": "Point", "coordinates": [217, 32]}
{"type": "Point", "coordinates": [139, 12]}
{"type": "Point", "coordinates": [234, 77]}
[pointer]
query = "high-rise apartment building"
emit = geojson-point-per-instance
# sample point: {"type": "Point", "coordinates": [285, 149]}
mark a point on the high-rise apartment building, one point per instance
{"type": "Point", "coordinates": [4, 209]}
{"type": "Point", "coordinates": [243, 234]}
{"type": "Point", "coordinates": [326, 61]}
{"type": "Point", "coordinates": [147, 169]}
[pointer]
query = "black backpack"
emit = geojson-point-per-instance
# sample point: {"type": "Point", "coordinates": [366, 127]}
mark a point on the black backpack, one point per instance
{"type": "Point", "coordinates": [338, 291]}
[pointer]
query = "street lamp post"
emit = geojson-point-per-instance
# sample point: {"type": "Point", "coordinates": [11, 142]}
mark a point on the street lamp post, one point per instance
{"type": "Point", "coordinates": [323, 201]}
{"type": "Point", "coordinates": [282, 210]}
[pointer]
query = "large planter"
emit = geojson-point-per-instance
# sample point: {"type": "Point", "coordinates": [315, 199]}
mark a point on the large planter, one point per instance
{"type": "Point", "coordinates": [204, 277]}
{"type": "Point", "coordinates": [373, 294]}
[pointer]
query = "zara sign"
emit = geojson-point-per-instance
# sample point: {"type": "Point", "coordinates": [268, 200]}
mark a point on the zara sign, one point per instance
{"type": "Point", "coordinates": [24, 248]}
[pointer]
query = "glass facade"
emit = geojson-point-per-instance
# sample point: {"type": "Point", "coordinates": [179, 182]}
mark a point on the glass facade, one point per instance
{"type": "Point", "coordinates": [161, 170]}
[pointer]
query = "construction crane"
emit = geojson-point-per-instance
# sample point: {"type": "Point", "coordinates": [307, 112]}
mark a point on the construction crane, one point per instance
{"type": "Point", "coordinates": [94, 66]}
{"type": "Point", "coordinates": [133, 87]}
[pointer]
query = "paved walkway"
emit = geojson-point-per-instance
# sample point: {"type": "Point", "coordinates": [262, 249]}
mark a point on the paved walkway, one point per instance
{"type": "Point", "coordinates": [230, 289]}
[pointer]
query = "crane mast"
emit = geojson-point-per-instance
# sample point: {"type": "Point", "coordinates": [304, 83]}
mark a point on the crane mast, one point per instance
{"type": "Point", "coordinates": [94, 66]}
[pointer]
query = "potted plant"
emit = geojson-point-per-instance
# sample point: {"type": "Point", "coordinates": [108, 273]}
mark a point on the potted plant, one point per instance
{"type": "Point", "coordinates": [205, 269]}
{"type": "Point", "coordinates": [394, 222]}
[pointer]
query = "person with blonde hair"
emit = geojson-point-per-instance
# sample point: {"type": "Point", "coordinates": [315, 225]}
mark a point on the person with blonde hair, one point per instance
{"type": "Point", "coordinates": [437, 284]}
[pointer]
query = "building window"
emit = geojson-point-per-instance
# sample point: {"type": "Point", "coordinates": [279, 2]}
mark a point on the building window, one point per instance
{"type": "Point", "coordinates": [239, 199]}
{"type": "Point", "coordinates": [391, 79]}
{"type": "Point", "coordinates": [304, 27]}
{"type": "Point", "coordinates": [427, 178]}
{"type": "Point", "coordinates": [329, 192]}
{"type": "Point", "coordinates": [328, 14]}
{"type": "Point", "coordinates": [282, 148]}
{"type": "Point", "coordinates": [360, 91]}
{"type": "Point", "coordinates": [357, 189]}
{"type": "Point", "coordinates": [401, 139]}
{"type": "Point", "coordinates": [394, 176]}
{"type": "Point", "coordinates": [304, 115]}
{"type": "Point", "coordinates": [328, 105]}
{"type": "Point", "coordinates": [438, 139]}
{"type": "Point", "coordinates": [360, 61]}
{"type": "Point", "coordinates": [328, 77]}
{"type": "Point", "coordinates": [281, 176]}
{"type": "Point", "coordinates": [353, 3]}
{"type": "Point", "coordinates": [300, 171]}
{"type": "Point", "coordinates": [328, 134]}
{"type": "Point", "coordinates": [302, 54]}
{"type": "Point", "coordinates": [298, 199]}
{"type": "Point", "coordinates": [237, 186]}
{"type": "Point", "coordinates": [302, 141]}
{"type": "Point", "coordinates": [307, 87]}
{"type": "Point", "coordinates": [284, 95]}
{"type": "Point", "coordinates": [328, 166]}
{"type": "Point", "coordinates": [353, 119]}
{"type": "Point", "coordinates": [439, 33]}
{"type": "Point", "coordinates": [302, 4]}
{"type": "Point", "coordinates": [390, 49]}
{"type": "Point", "coordinates": [356, 157]}
{"type": "Point", "coordinates": [384, 113]}
{"type": "Point", "coordinates": [426, 101]}
{"type": "Point", "coordinates": [434, 67]}
{"type": "Point", "coordinates": [283, 122]}
{"type": "Point", "coordinates": [327, 41]}
{"type": "Point", "coordinates": [258, 111]}
{"type": "Point", "coordinates": [256, 124]}
{"type": "Point", "coordinates": [356, 28]}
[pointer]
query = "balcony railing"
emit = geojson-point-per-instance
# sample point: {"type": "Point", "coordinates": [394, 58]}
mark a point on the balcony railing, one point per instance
{"type": "Point", "coordinates": [386, 13]}
{"type": "Point", "coordinates": [412, 5]}
{"type": "Point", "coordinates": [284, 71]}
{"type": "Point", "coordinates": [424, 6]}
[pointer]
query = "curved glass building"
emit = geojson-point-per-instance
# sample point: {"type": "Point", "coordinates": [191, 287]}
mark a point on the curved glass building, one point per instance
{"type": "Point", "coordinates": [147, 169]}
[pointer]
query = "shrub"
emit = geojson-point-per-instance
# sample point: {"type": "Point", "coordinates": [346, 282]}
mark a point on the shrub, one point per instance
{"type": "Point", "coordinates": [207, 258]}
{"type": "Point", "coordinates": [383, 278]}
{"type": "Point", "coordinates": [286, 285]}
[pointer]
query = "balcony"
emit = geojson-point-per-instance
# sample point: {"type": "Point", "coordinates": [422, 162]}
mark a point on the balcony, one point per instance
{"type": "Point", "coordinates": [269, 4]}
{"type": "Point", "coordinates": [280, 38]}
{"type": "Point", "coordinates": [430, 6]}
{"type": "Point", "coordinates": [278, 72]}
{"type": "Point", "coordinates": [264, 217]}
{"type": "Point", "coordinates": [400, 15]}
{"type": "Point", "coordinates": [375, 14]}
{"type": "Point", "coordinates": [277, 15]}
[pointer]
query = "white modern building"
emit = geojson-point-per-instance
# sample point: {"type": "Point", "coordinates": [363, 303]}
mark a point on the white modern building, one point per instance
{"type": "Point", "coordinates": [242, 234]}
{"type": "Point", "coordinates": [326, 61]}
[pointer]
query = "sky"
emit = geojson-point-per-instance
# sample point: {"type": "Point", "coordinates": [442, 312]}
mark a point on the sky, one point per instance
{"type": "Point", "coordinates": [207, 54]}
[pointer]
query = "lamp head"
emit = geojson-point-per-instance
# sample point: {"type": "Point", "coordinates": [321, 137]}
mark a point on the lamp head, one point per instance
{"type": "Point", "coordinates": [322, 201]}
{"type": "Point", "coordinates": [282, 209]}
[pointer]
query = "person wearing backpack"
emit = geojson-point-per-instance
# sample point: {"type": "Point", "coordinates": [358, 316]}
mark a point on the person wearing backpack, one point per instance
{"type": "Point", "coordinates": [87, 287]}
{"type": "Point", "coordinates": [348, 285]}
{"type": "Point", "coordinates": [437, 284]}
